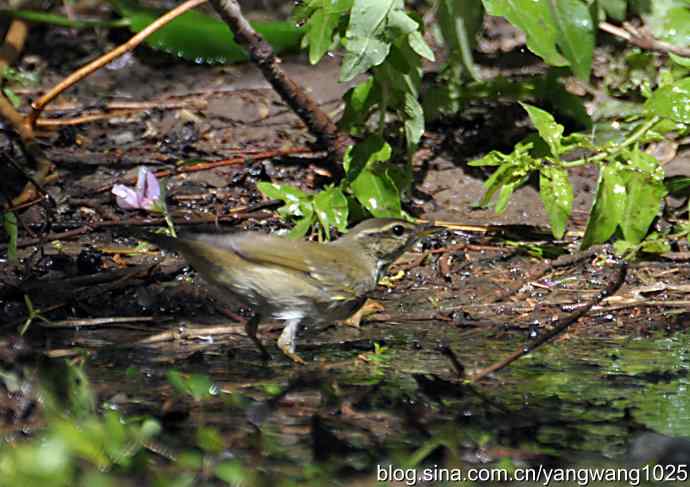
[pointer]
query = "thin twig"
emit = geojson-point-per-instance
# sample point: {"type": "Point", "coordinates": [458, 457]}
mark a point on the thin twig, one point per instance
{"type": "Point", "coordinates": [38, 106]}
{"type": "Point", "coordinates": [643, 39]}
{"type": "Point", "coordinates": [110, 321]}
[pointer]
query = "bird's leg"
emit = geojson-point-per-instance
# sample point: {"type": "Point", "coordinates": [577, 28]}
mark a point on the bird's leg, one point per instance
{"type": "Point", "coordinates": [250, 327]}
{"type": "Point", "coordinates": [287, 340]}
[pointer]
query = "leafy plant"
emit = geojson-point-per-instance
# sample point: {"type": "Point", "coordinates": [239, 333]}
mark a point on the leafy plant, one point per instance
{"type": "Point", "coordinates": [384, 42]}
{"type": "Point", "coordinates": [631, 182]}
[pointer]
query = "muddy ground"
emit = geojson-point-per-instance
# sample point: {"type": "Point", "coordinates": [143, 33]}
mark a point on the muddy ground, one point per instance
{"type": "Point", "coordinates": [585, 398]}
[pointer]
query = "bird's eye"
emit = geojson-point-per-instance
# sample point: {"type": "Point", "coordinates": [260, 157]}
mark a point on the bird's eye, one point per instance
{"type": "Point", "coordinates": [398, 230]}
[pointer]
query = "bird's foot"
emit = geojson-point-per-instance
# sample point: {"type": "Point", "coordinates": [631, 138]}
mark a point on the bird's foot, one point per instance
{"type": "Point", "coordinates": [293, 356]}
{"type": "Point", "coordinates": [369, 308]}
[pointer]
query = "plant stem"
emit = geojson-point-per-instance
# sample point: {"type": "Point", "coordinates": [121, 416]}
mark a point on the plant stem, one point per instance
{"type": "Point", "coordinates": [633, 138]}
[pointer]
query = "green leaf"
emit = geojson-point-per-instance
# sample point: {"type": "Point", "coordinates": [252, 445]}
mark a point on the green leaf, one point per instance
{"type": "Point", "coordinates": [575, 34]}
{"type": "Point", "coordinates": [12, 96]}
{"type": "Point", "coordinates": [321, 25]}
{"type": "Point", "coordinates": [303, 224]}
{"type": "Point", "coordinates": [375, 190]}
{"type": "Point", "coordinates": [460, 23]}
{"type": "Point", "coordinates": [419, 45]}
{"type": "Point", "coordinates": [547, 127]}
{"type": "Point", "coordinates": [368, 174]}
{"type": "Point", "coordinates": [615, 9]}
{"type": "Point", "coordinates": [197, 37]}
{"type": "Point", "coordinates": [609, 206]}
{"type": "Point", "coordinates": [671, 101]}
{"type": "Point", "coordinates": [233, 473]}
{"type": "Point", "coordinates": [332, 209]}
{"type": "Point", "coordinates": [556, 193]}
{"type": "Point", "coordinates": [292, 196]}
{"type": "Point", "coordinates": [9, 223]}
{"type": "Point", "coordinates": [209, 440]}
{"type": "Point", "coordinates": [677, 185]}
{"type": "Point", "coordinates": [414, 122]}
{"type": "Point", "coordinates": [198, 386]}
{"type": "Point", "coordinates": [535, 20]}
{"type": "Point", "coordinates": [504, 196]}
{"type": "Point", "coordinates": [656, 245]}
{"type": "Point", "coordinates": [680, 61]}
{"type": "Point", "coordinates": [299, 206]}
{"type": "Point", "coordinates": [645, 189]}
{"type": "Point", "coordinates": [559, 31]}
{"type": "Point", "coordinates": [373, 149]}
{"type": "Point", "coordinates": [364, 47]}
{"type": "Point", "coordinates": [669, 20]}
{"type": "Point", "coordinates": [359, 101]}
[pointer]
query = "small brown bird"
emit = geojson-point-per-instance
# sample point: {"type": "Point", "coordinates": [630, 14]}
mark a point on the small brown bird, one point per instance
{"type": "Point", "coordinates": [296, 280]}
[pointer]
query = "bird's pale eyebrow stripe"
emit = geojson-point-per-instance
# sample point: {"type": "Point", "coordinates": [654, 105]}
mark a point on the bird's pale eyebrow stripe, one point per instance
{"type": "Point", "coordinates": [377, 231]}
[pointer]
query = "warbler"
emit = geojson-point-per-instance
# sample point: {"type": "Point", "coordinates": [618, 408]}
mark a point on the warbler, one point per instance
{"type": "Point", "coordinates": [296, 281]}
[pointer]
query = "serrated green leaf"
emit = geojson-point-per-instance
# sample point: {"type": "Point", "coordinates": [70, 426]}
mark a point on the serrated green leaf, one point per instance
{"type": "Point", "coordinates": [547, 127]}
{"type": "Point", "coordinates": [202, 39]}
{"type": "Point", "coordinates": [671, 101]}
{"type": "Point", "coordinates": [556, 193]}
{"type": "Point", "coordinates": [364, 45]}
{"type": "Point", "coordinates": [609, 206]}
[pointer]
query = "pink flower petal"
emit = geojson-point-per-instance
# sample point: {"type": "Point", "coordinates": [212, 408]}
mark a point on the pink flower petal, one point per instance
{"type": "Point", "coordinates": [152, 190]}
{"type": "Point", "coordinates": [126, 197]}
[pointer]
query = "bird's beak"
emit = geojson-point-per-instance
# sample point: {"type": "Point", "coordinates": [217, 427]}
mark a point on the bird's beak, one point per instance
{"type": "Point", "coordinates": [428, 228]}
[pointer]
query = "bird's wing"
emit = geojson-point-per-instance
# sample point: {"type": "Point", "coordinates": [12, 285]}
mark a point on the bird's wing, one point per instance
{"type": "Point", "coordinates": [329, 267]}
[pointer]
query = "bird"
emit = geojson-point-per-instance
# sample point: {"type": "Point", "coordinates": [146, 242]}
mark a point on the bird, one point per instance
{"type": "Point", "coordinates": [296, 281]}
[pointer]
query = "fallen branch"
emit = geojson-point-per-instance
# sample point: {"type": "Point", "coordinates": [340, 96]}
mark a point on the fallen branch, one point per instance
{"type": "Point", "coordinates": [560, 326]}
{"type": "Point", "coordinates": [260, 52]}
